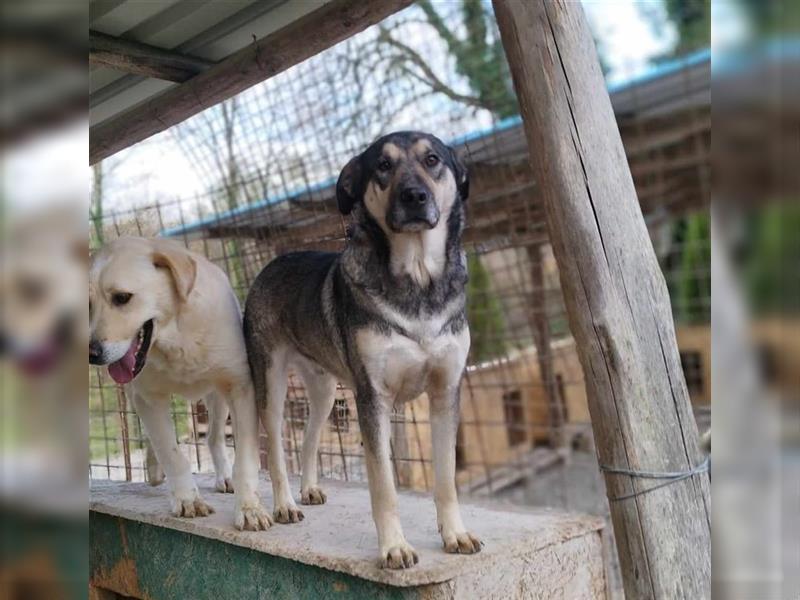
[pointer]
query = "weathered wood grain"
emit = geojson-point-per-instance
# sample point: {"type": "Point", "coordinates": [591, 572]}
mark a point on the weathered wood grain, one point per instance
{"type": "Point", "coordinates": [300, 40]}
{"type": "Point", "coordinates": [616, 298]}
{"type": "Point", "coordinates": [143, 59]}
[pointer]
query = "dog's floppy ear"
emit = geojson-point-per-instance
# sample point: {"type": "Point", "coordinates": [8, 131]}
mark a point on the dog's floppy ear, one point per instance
{"type": "Point", "coordinates": [181, 265]}
{"type": "Point", "coordinates": [348, 186]}
{"type": "Point", "coordinates": [460, 173]}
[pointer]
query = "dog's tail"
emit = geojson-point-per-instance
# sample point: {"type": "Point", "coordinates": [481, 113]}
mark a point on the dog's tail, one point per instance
{"type": "Point", "coordinates": [257, 360]}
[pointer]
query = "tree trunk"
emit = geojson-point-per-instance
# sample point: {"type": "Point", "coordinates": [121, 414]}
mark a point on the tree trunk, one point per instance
{"type": "Point", "coordinates": [616, 299]}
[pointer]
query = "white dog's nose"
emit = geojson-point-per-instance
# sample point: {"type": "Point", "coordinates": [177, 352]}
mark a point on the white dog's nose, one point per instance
{"type": "Point", "coordinates": [95, 352]}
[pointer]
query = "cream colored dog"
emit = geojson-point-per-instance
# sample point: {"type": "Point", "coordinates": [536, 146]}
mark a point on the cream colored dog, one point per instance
{"type": "Point", "coordinates": [166, 321]}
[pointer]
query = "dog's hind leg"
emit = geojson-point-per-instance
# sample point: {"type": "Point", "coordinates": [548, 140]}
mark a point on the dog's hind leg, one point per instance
{"type": "Point", "coordinates": [217, 417]}
{"type": "Point", "coordinates": [321, 389]}
{"type": "Point", "coordinates": [154, 414]}
{"type": "Point", "coordinates": [373, 419]}
{"type": "Point", "coordinates": [285, 510]}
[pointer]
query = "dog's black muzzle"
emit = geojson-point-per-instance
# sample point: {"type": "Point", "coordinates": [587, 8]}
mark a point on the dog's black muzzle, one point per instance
{"type": "Point", "coordinates": [413, 209]}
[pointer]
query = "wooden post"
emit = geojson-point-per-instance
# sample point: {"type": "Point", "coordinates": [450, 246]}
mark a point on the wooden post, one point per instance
{"type": "Point", "coordinates": [616, 299]}
{"type": "Point", "coordinates": [541, 336]}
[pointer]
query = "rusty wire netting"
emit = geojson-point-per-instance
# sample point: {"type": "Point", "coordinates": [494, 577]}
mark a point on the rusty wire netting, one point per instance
{"type": "Point", "coordinates": [254, 177]}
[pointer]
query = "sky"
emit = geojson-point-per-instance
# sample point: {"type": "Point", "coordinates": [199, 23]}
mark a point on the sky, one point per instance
{"type": "Point", "coordinates": [35, 174]}
{"type": "Point", "coordinates": [628, 39]}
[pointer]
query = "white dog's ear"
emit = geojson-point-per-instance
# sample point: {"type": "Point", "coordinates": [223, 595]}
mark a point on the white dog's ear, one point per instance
{"type": "Point", "coordinates": [180, 263]}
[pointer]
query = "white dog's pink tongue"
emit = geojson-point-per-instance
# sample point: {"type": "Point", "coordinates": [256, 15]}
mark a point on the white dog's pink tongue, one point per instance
{"type": "Point", "coordinates": [122, 370]}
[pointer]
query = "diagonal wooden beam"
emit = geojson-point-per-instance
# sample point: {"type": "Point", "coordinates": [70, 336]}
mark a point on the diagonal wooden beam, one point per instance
{"type": "Point", "coordinates": [298, 41]}
{"type": "Point", "coordinates": [143, 59]}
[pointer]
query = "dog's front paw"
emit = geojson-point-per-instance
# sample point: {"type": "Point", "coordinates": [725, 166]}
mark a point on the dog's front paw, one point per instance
{"type": "Point", "coordinates": [252, 518]}
{"type": "Point", "coordinates": [190, 507]}
{"type": "Point", "coordinates": [401, 556]}
{"type": "Point", "coordinates": [313, 495]}
{"type": "Point", "coordinates": [460, 542]}
{"type": "Point", "coordinates": [288, 513]}
{"type": "Point", "coordinates": [224, 485]}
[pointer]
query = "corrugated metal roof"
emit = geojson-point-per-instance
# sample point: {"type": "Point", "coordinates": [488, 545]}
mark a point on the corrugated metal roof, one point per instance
{"type": "Point", "coordinates": [43, 76]}
{"type": "Point", "coordinates": [208, 29]}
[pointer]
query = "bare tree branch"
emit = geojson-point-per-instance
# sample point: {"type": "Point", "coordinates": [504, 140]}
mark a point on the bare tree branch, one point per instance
{"type": "Point", "coordinates": [429, 77]}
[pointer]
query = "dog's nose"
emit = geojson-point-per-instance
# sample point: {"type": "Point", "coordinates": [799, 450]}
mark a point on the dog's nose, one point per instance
{"type": "Point", "coordinates": [414, 195]}
{"type": "Point", "coordinates": [95, 352]}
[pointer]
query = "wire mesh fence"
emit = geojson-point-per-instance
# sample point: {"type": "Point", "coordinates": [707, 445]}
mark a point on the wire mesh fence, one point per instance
{"type": "Point", "coordinates": [254, 177]}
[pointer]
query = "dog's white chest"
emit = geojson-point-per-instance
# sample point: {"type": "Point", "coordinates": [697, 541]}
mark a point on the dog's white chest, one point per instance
{"type": "Point", "coordinates": [183, 369]}
{"type": "Point", "coordinates": [399, 367]}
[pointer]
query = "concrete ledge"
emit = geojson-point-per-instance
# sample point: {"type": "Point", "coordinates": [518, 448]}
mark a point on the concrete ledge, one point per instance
{"type": "Point", "coordinates": [141, 551]}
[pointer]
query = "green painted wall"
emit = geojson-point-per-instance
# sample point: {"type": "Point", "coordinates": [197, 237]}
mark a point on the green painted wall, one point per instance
{"type": "Point", "coordinates": [163, 564]}
{"type": "Point", "coordinates": [51, 549]}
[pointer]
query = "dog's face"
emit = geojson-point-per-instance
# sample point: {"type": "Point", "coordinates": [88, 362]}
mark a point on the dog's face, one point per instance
{"type": "Point", "coordinates": [43, 306]}
{"type": "Point", "coordinates": [135, 286]}
{"type": "Point", "coordinates": [406, 181]}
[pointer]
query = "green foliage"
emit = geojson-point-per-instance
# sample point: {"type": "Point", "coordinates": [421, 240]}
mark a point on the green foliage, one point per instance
{"type": "Point", "coordinates": [479, 55]}
{"type": "Point", "coordinates": [485, 314]}
{"type": "Point", "coordinates": [766, 257]}
{"type": "Point", "coordinates": [105, 420]}
{"type": "Point", "coordinates": [691, 19]}
{"type": "Point", "coordinates": [468, 30]}
{"type": "Point", "coordinates": [694, 284]}
{"type": "Point", "coordinates": [767, 17]}
{"type": "Point", "coordinates": [771, 256]}
{"type": "Point", "coordinates": [687, 269]}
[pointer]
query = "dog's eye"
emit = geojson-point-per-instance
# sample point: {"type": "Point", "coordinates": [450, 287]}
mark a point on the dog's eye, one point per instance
{"type": "Point", "coordinates": [431, 160]}
{"type": "Point", "coordinates": [120, 298]}
{"type": "Point", "coordinates": [384, 165]}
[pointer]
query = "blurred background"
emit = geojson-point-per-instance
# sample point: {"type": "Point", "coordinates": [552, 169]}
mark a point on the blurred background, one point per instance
{"type": "Point", "coordinates": [44, 201]}
{"type": "Point", "coordinates": [253, 177]}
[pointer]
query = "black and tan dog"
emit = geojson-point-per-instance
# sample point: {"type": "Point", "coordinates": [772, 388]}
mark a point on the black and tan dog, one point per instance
{"type": "Point", "coordinates": [386, 317]}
